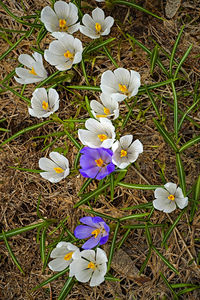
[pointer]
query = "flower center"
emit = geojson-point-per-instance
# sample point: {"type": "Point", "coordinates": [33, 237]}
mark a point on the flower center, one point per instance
{"type": "Point", "coordinates": [123, 153]}
{"type": "Point", "coordinates": [32, 71]}
{"type": "Point", "coordinates": [68, 54]}
{"type": "Point", "coordinates": [62, 24]}
{"type": "Point", "coordinates": [98, 27]}
{"type": "Point", "coordinates": [99, 163]}
{"type": "Point", "coordinates": [106, 112]}
{"type": "Point", "coordinates": [68, 256]}
{"type": "Point", "coordinates": [45, 105]}
{"type": "Point", "coordinates": [123, 88]}
{"type": "Point", "coordinates": [91, 265]}
{"type": "Point", "coordinates": [96, 232]}
{"type": "Point", "coordinates": [171, 197]}
{"type": "Point", "coordinates": [58, 170]}
{"type": "Point", "coordinates": [102, 137]}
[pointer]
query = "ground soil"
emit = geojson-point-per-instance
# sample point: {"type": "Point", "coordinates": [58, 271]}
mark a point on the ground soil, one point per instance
{"type": "Point", "coordinates": [20, 190]}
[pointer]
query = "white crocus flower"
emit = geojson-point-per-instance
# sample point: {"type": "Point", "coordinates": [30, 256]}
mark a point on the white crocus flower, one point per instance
{"type": "Point", "coordinates": [125, 151]}
{"type": "Point", "coordinates": [43, 104]}
{"type": "Point", "coordinates": [63, 256]}
{"type": "Point", "coordinates": [36, 70]}
{"type": "Point", "coordinates": [57, 167]}
{"type": "Point", "coordinates": [62, 18]}
{"type": "Point", "coordinates": [96, 25]}
{"type": "Point", "coordinates": [167, 198]}
{"type": "Point", "coordinates": [98, 134]}
{"type": "Point", "coordinates": [64, 52]}
{"type": "Point", "coordinates": [108, 109]}
{"type": "Point", "coordinates": [89, 266]}
{"type": "Point", "coordinates": [120, 84]}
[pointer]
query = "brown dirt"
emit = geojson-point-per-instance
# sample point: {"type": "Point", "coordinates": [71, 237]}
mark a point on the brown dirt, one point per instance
{"type": "Point", "coordinates": [20, 190]}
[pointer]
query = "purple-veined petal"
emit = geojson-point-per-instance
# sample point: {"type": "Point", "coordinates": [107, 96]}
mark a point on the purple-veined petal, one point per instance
{"type": "Point", "coordinates": [92, 242]}
{"type": "Point", "coordinates": [83, 232]}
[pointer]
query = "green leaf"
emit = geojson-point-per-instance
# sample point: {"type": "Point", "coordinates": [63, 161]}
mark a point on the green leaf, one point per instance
{"type": "Point", "coordinates": [174, 49]}
{"type": "Point", "coordinates": [196, 196]}
{"type": "Point", "coordinates": [88, 107]}
{"type": "Point", "coordinates": [112, 247]}
{"type": "Point", "coordinates": [165, 260]}
{"type": "Point", "coordinates": [181, 173]}
{"type": "Point", "coordinates": [175, 296]}
{"type": "Point", "coordinates": [182, 60]}
{"type": "Point", "coordinates": [154, 57]}
{"type": "Point", "coordinates": [142, 226]}
{"type": "Point", "coordinates": [124, 238]}
{"type": "Point", "coordinates": [165, 135]}
{"type": "Point", "coordinates": [153, 103]}
{"type": "Point", "coordinates": [137, 216]}
{"type": "Point", "coordinates": [110, 57]}
{"type": "Point", "coordinates": [143, 266]}
{"type": "Point", "coordinates": [42, 244]}
{"type": "Point", "coordinates": [138, 186]}
{"type": "Point", "coordinates": [66, 288]}
{"type": "Point", "coordinates": [88, 50]}
{"type": "Point", "coordinates": [175, 110]}
{"type": "Point", "coordinates": [100, 214]}
{"type": "Point", "coordinates": [190, 143]}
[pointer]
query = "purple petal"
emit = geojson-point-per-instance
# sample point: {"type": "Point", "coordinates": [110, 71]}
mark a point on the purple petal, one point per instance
{"type": "Point", "coordinates": [105, 171]}
{"type": "Point", "coordinates": [110, 168]}
{"type": "Point", "coordinates": [97, 219]}
{"type": "Point", "coordinates": [104, 239]}
{"type": "Point", "coordinates": [86, 162]}
{"type": "Point", "coordinates": [91, 243]}
{"type": "Point", "coordinates": [91, 173]}
{"type": "Point", "coordinates": [106, 227]}
{"type": "Point", "coordinates": [87, 220]}
{"type": "Point", "coordinates": [83, 232]}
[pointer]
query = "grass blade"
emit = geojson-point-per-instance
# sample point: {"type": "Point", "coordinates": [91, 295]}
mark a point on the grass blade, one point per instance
{"type": "Point", "coordinates": [100, 45]}
{"type": "Point", "coordinates": [153, 103]}
{"type": "Point", "coordinates": [112, 247]}
{"type": "Point", "coordinates": [143, 266]}
{"type": "Point", "coordinates": [110, 56]}
{"type": "Point", "coordinates": [196, 196]}
{"type": "Point", "coordinates": [190, 143]}
{"type": "Point", "coordinates": [138, 186]}
{"type": "Point", "coordinates": [165, 135]}
{"type": "Point", "coordinates": [42, 244]}
{"type": "Point", "coordinates": [137, 216]}
{"type": "Point", "coordinates": [174, 49]}
{"type": "Point", "coordinates": [175, 110]}
{"type": "Point", "coordinates": [181, 173]}
{"type": "Point", "coordinates": [11, 253]}
{"type": "Point", "coordinates": [154, 57]}
{"type": "Point", "coordinates": [186, 113]}
{"type": "Point", "coordinates": [100, 215]}
{"type": "Point", "coordinates": [165, 260]}
{"type": "Point", "coordinates": [182, 60]}
{"type": "Point", "coordinates": [66, 288]}
{"type": "Point", "coordinates": [124, 238]}
{"type": "Point", "coordinates": [175, 296]}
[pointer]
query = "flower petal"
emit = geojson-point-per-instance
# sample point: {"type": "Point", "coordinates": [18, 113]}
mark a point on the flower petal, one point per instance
{"type": "Point", "coordinates": [59, 264]}
{"type": "Point", "coordinates": [171, 187]}
{"type": "Point", "coordinates": [83, 232]}
{"type": "Point", "coordinates": [181, 202]}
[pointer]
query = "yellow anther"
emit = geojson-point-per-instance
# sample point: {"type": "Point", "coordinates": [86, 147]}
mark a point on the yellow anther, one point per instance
{"type": "Point", "coordinates": [123, 88]}
{"type": "Point", "coordinates": [171, 197]}
{"type": "Point", "coordinates": [32, 71]}
{"type": "Point", "coordinates": [68, 256]}
{"type": "Point", "coordinates": [102, 137]}
{"type": "Point", "coordinates": [58, 170]}
{"type": "Point", "coordinates": [96, 232]}
{"type": "Point", "coordinates": [68, 54]}
{"type": "Point", "coordinates": [62, 24]}
{"type": "Point", "coordinates": [106, 110]}
{"type": "Point", "coordinates": [98, 27]}
{"type": "Point", "coordinates": [123, 153]}
{"type": "Point", "coordinates": [91, 265]}
{"type": "Point", "coordinates": [99, 163]}
{"type": "Point", "coordinates": [101, 116]}
{"type": "Point", "coordinates": [45, 105]}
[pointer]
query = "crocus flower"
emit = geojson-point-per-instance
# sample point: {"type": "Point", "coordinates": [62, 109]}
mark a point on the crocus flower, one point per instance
{"type": "Point", "coordinates": [36, 70]}
{"type": "Point", "coordinates": [167, 198]}
{"type": "Point", "coordinates": [98, 134]}
{"type": "Point", "coordinates": [63, 256]}
{"type": "Point", "coordinates": [94, 227]}
{"type": "Point", "coordinates": [96, 25]}
{"type": "Point", "coordinates": [108, 109]}
{"type": "Point", "coordinates": [62, 18]}
{"type": "Point", "coordinates": [64, 52]}
{"type": "Point", "coordinates": [89, 265]}
{"type": "Point", "coordinates": [57, 167]}
{"type": "Point", "coordinates": [125, 151]}
{"type": "Point", "coordinates": [120, 84]}
{"type": "Point", "coordinates": [43, 104]}
{"type": "Point", "coordinates": [96, 162]}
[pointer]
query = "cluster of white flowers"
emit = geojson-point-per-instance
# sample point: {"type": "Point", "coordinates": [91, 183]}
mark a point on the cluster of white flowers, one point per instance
{"type": "Point", "coordinates": [87, 265]}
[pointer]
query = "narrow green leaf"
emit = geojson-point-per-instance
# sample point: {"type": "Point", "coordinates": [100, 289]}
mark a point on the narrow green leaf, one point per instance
{"type": "Point", "coordinates": [100, 45]}
{"type": "Point", "coordinates": [17, 94]}
{"type": "Point", "coordinates": [153, 103]}
{"type": "Point", "coordinates": [12, 47]}
{"type": "Point", "coordinates": [137, 216]}
{"type": "Point", "coordinates": [26, 170]}
{"type": "Point", "coordinates": [100, 214]}
{"type": "Point", "coordinates": [27, 129]}
{"type": "Point", "coordinates": [182, 60]}
{"type": "Point", "coordinates": [110, 57]}
{"type": "Point", "coordinates": [196, 196]}
{"type": "Point", "coordinates": [111, 278]}
{"type": "Point", "coordinates": [190, 143]}
{"type": "Point", "coordinates": [142, 226]}
{"type": "Point", "coordinates": [91, 195]}
{"type": "Point", "coordinates": [66, 288]}
{"type": "Point", "coordinates": [138, 186]}
{"type": "Point", "coordinates": [48, 79]}
{"type": "Point", "coordinates": [143, 266]}
{"type": "Point", "coordinates": [165, 135]}
{"type": "Point", "coordinates": [11, 253]}
{"type": "Point", "coordinates": [153, 60]}
{"type": "Point", "coordinates": [120, 176]}
{"type": "Point", "coordinates": [184, 115]}
{"type": "Point", "coordinates": [72, 139]}
{"type": "Point", "coordinates": [188, 290]}
{"type": "Point", "coordinates": [84, 71]}
{"type": "Point", "coordinates": [124, 238]}
{"type": "Point", "coordinates": [85, 185]}
{"type": "Point", "coordinates": [175, 110]}
{"type": "Point", "coordinates": [112, 247]}
{"type": "Point", "coordinates": [174, 49]}
{"type": "Point", "coordinates": [181, 173]}
{"type": "Point", "coordinates": [148, 235]}
{"type": "Point", "coordinates": [168, 233]}
{"type": "Point", "coordinates": [175, 296]}
{"type": "Point", "coordinates": [165, 260]}
{"type": "Point", "coordinates": [112, 186]}
{"type": "Point", "coordinates": [87, 102]}
{"type": "Point", "coordinates": [20, 230]}
{"type": "Point", "coordinates": [52, 278]}
{"type": "Point", "coordinates": [140, 206]}
{"type": "Point", "coordinates": [84, 87]}
{"type": "Point", "coordinates": [42, 244]}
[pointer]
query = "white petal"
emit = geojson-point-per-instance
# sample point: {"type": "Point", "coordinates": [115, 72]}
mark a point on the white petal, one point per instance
{"type": "Point", "coordinates": [93, 125]}
{"type": "Point", "coordinates": [46, 164]}
{"type": "Point", "coordinates": [88, 254]}
{"type": "Point", "coordinates": [97, 278]}
{"type": "Point", "coordinates": [161, 203]}
{"type": "Point", "coordinates": [54, 59]}
{"type": "Point", "coordinates": [60, 160]}
{"type": "Point", "coordinates": [101, 256]}
{"type": "Point", "coordinates": [26, 60]}
{"type": "Point", "coordinates": [181, 202]}
{"type": "Point", "coordinates": [125, 141]}
{"type": "Point", "coordinates": [62, 9]}
{"type": "Point", "coordinates": [40, 94]}
{"type": "Point", "coordinates": [53, 97]}
{"type": "Point", "coordinates": [49, 18]}
{"type": "Point", "coordinates": [73, 28]}
{"type": "Point", "coordinates": [98, 15]}
{"type": "Point", "coordinates": [171, 187]}
{"type": "Point", "coordinates": [171, 206]}
{"type": "Point", "coordinates": [115, 146]}
{"type": "Point", "coordinates": [123, 76]}
{"type": "Point", "coordinates": [53, 177]}
{"type": "Point", "coordinates": [58, 264]}
{"type": "Point", "coordinates": [108, 23]}
{"type": "Point", "coordinates": [179, 193]}
{"type": "Point", "coordinates": [88, 138]}
{"type": "Point", "coordinates": [88, 32]}
{"type": "Point", "coordinates": [161, 193]}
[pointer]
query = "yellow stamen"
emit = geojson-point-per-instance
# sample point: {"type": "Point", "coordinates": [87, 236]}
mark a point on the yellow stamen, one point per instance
{"type": "Point", "coordinates": [99, 163]}
{"type": "Point", "coordinates": [96, 232]}
{"type": "Point", "coordinates": [68, 256]}
{"type": "Point", "coordinates": [68, 54]}
{"type": "Point", "coordinates": [123, 153]}
{"type": "Point", "coordinates": [101, 116]}
{"type": "Point", "coordinates": [32, 71]}
{"type": "Point", "coordinates": [58, 170]}
{"type": "Point", "coordinates": [102, 137]}
{"type": "Point", "coordinates": [91, 265]}
{"type": "Point", "coordinates": [171, 197]}
{"type": "Point", "coordinates": [123, 88]}
{"type": "Point", "coordinates": [45, 105]}
{"type": "Point", "coordinates": [106, 110]}
{"type": "Point", "coordinates": [98, 27]}
{"type": "Point", "coordinates": [62, 24]}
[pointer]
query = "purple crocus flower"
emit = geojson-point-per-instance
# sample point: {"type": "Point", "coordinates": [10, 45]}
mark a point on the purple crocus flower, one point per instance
{"type": "Point", "coordinates": [96, 162]}
{"type": "Point", "coordinates": [94, 227]}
